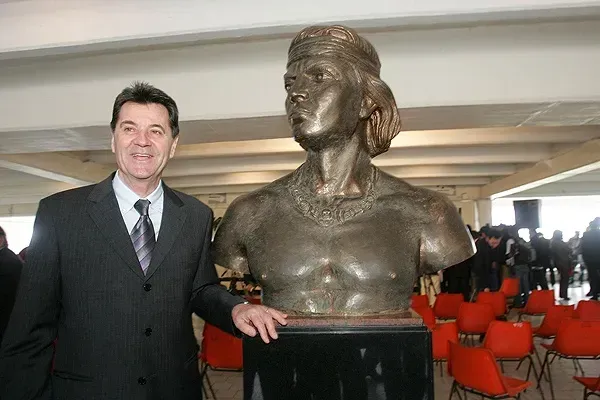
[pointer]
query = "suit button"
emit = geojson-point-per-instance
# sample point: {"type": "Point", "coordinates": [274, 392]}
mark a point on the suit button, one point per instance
{"type": "Point", "coordinates": [142, 380]}
{"type": "Point", "coordinates": [147, 287]}
{"type": "Point", "coordinates": [148, 331]}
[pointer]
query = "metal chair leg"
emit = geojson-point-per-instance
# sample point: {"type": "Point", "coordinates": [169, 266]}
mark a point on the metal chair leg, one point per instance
{"type": "Point", "coordinates": [204, 376]}
{"type": "Point", "coordinates": [580, 367]}
{"type": "Point", "coordinates": [452, 390]}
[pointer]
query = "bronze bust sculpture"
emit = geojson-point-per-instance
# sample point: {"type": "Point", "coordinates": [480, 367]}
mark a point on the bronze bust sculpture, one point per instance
{"type": "Point", "coordinates": [338, 236]}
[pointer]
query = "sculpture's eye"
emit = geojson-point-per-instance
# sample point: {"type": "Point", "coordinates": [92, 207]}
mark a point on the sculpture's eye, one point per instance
{"type": "Point", "coordinates": [288, 84]}
{"type": "Point", "coordinates": [319, 77]}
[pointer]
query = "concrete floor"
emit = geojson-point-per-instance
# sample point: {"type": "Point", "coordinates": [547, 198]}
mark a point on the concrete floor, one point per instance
{"type": "Point", "coordinates": [228, 385]}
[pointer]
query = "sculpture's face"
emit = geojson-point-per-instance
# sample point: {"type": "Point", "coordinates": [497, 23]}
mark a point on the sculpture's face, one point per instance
{"type": "Point", "coordinates": [323, 101]}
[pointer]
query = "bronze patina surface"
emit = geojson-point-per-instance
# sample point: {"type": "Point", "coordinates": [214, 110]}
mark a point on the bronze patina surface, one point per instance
{"type": "Point", "coordinates": [338, 236]}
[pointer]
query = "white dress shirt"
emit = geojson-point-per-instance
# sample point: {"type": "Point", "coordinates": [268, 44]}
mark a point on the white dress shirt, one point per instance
{"type": "Point", "coordinates": [127, 199]}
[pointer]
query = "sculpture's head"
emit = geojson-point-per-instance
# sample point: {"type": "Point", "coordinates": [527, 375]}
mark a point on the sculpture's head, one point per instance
{"type": "Point", "coordinates": [333, 86]}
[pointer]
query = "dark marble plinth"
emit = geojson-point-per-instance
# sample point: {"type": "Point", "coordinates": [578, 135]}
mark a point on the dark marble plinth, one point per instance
{"type": "Point", "coordinates": [341, 359]}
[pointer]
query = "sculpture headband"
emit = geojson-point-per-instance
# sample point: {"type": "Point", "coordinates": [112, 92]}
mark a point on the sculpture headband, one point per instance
{"type": "Point", "coordinates": [330, 46]}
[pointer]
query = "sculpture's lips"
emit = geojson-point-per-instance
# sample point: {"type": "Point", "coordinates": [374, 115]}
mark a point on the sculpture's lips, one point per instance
{"type": "Point", "coordinates": [297, 117]}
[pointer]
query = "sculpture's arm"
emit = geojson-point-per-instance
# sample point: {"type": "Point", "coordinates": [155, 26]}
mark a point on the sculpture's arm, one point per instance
{"type": "Point", "coordinates": [445, 240]}
{"type": "Point", "coordinates": [228, 249]}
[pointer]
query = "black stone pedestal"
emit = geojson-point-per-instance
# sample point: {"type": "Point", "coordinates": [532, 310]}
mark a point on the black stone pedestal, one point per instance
{"type": "Point", "coordinates": [340, 359]}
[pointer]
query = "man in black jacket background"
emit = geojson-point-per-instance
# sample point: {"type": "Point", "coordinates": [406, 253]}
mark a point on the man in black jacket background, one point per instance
{"type": "Point", "coordinates": [10, 272]}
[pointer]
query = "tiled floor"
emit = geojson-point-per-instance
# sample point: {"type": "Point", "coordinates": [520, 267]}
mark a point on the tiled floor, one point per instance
{"type": "Point", "coordinates": [228, 385]}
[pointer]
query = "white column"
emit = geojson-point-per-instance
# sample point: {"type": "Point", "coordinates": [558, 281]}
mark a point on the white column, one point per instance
{"type": "Point", "coordinates": [483, 213]}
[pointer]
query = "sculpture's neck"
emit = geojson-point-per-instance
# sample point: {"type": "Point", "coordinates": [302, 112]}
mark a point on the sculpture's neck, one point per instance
{"type": "Point", "coordinates": [341, 170]}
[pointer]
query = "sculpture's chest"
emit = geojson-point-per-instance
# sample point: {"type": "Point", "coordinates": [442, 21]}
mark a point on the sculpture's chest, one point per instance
{"type": "Point", "coordinates": [293, 248]}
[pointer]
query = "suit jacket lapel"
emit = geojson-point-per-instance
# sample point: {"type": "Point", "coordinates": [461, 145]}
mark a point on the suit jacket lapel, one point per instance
{"type": "Point", "coordinates": [173, 219]}
{"type": "Point", "coordinates": [104, 210]}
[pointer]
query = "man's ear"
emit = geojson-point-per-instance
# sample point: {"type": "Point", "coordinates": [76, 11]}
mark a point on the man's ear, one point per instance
{"type": "Point", "coordinates": [112, 142]}
{"type": "Point", "coordinates": [173, 147]}
{"type": "Point", "coordinates": [367, 107]}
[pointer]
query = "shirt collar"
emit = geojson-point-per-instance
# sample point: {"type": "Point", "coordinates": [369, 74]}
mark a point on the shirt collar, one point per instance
{"type": "Point", "coordinates": [127, 197]}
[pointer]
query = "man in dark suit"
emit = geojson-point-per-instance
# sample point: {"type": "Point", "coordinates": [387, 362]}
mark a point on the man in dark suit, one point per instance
{"type": "Point", "coordinates": [114, 271]}
{"type": "Point", "coordinates": [10, 271]}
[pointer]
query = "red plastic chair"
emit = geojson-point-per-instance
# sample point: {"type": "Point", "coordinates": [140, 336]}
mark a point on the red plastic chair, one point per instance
{"type": "Point", "coordinates": [538, 303]}
{"type": "Point", "coordinates": [428, 317]}
{"type": "Point", "coordinates": [419, 301]}
{"type": "Point", "coordinates": [511, 341]}
{"type": "Point", "coordinates": [220, 352]}
{"type": "Point", "coordinates": [588, 310]}
{"type": "Point", "coordinates": [511, 289]}
{"type": "Point", "coordinates": [442, 335]}
{"type": "Point", "coordinates": [591, 386]}
{"type": "Point", "coordinates": [447, 304]}
{"type": "Point", "coordinates": [495, 299]}
{"type": "Point", "coordinates": [474, 319]}
{"type": "Point", "coordinates": [475, 370]}
{"type": "Point", "coordinates": [575, 340]}
{"type": "Point", "coordinates": [551, 322]}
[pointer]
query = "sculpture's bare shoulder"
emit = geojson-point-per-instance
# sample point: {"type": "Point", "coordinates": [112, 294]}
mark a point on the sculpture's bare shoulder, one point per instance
{"type": "Point", "coordinates": [424, 203]}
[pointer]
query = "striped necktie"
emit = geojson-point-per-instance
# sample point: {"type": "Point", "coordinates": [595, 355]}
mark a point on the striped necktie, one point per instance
{"type": "Point", "coordinates": [142, 235]}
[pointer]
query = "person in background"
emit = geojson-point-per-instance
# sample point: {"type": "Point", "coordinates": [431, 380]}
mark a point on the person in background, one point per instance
{"type": "Point", "coordinates": [10, 272]}
{"type": "Point", "coordinates": [541, 245]}
{"type": "Point", "coordinates": [23, 254]}
{"type": "Point", "coordinates": [590, 251]}
{"type": "Point", "coordinates": [538, 272]}
{"type": "Point", "coordinates": [574, 244]}
{"type": "Point", "coordinates": [519, 257]}
{"type": "Point", "coordinates": [485, 276]}
{"type": "Point", "coordinates": [561, 256]}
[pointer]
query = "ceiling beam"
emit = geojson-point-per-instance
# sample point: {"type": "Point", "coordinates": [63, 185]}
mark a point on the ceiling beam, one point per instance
{"type": "Point", "coordinates": [25, 194]}
{"type": "Point", "coordinates": [18, 210]}
{"type": "Point", "coordinates": [498, 154]}
{"type": "Point", "coordinates": [422, 182]}
{"type": "Point", "coordinates": [58, 167]}
{"type": "Point", "coordinates": [581, 159]}
{"type": "Point", "coordinates": [561, 188]}
{"type": "Point", "coordinates": [424, 171]}
{"type": "Point", "coordinates": [408, 139]}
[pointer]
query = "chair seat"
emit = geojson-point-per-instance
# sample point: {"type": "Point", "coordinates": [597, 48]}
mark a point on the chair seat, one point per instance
{"type": "Point", "coordinates": [515, 386]}
{"type": "Point", "coordinates": [543, 333]}
{"type": "Point", "coordinates": [588, 382]}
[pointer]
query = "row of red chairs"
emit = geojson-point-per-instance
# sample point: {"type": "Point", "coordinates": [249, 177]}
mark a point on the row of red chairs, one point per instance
{"type": "Point", "coordinates": [475, 369]}
{"type": "Point", "coordinates": [446, 306]}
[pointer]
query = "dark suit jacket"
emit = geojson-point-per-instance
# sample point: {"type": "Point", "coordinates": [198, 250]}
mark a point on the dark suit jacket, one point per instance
{"type": "Point", "coordinates": [121, 335]}
{"type": "Point", "coordinates": [10, 271]}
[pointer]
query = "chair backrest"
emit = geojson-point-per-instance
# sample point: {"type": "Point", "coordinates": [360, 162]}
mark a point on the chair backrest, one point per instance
{"type": "Point", "coordinates": [578, 338]}
{"type": "Point", "coordinates": [539, 302]}
{"type": "Point", "coordinates": [427, 314]}
{"type": "Point", "coordinates": [555, 315]}
{"type": "Point", "coordinates": [446, 305]}
{"type": "Point", "coordinates": [496, 299]}
{"type": "Point", "coordinates": [510, 287]}
{"type": "Point", "coordinates": [441, 336]}
{"type": "Point", "coordinates": [588, 310]}
{"type": "Point", "coordinates": [419, 301]}
{"type": "Point", "coordinates": [476, 368]}
{"type": "Point", "coordinates": [475, 317]}
{"type": "Point", "coordinates": [509, 339]}
{"type": "Point", "coordinates": [220, 349]}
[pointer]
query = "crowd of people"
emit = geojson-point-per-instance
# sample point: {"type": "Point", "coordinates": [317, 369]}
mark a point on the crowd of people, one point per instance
{"type": "Point", "coordinates": [538, 263]}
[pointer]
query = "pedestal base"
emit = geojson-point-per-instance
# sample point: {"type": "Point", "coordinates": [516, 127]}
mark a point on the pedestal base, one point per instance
{"type": "Point", "coordinates": [360, 359]}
